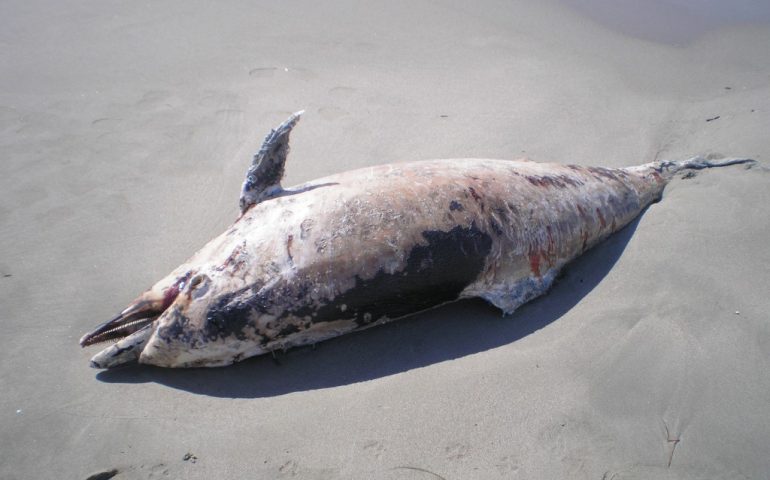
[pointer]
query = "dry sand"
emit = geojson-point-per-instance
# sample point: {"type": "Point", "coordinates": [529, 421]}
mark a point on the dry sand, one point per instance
{"type": "Point", "coordinates": [126, 129]}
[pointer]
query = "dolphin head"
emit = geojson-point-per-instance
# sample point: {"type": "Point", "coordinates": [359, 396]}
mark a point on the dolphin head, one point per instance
{"type": "Point", "coordinates": [199, 315]}
{"type": "Point", "coordinates": [133, 327]}
{"type": "Point", "coordinates": [189, 318]}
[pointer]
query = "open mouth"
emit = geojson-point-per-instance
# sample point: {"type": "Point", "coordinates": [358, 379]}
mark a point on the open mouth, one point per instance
{"type": "Point", "coordinates": [130, 329]}
{"type": "Point", "coordinates": [127, 322]}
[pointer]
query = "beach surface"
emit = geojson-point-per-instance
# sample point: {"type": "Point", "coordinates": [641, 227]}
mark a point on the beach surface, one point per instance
{"type": "Point", "coordinates": [126, 130]}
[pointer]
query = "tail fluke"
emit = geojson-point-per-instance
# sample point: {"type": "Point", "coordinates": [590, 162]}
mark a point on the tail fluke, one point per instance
{"type": "Point", "coordinates": [699, 163]}
{"type": "Point", "coordinates": [668, 168]}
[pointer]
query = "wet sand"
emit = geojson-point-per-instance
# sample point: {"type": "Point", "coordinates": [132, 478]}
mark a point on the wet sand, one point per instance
{"type": "Point", "coordinates": [126, 131]}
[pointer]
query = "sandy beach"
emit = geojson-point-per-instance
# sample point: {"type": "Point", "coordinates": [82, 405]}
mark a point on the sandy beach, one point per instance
{"type": "Point", "coordinates": [126, 129]}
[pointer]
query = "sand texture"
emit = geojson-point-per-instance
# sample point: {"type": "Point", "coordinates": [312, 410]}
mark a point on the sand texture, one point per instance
{"type": "Point", "coordinates": [125, 132]}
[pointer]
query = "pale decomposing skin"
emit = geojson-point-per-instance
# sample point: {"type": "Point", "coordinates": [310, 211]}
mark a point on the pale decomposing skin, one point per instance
{"type": "Point", "coordinates": [364, 247]}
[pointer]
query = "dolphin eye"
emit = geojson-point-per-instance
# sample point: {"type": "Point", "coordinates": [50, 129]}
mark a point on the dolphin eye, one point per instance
{"type": "Point", "coordinates": [199, 285]}
{"type": "Point", "coordinates": [196, 281]}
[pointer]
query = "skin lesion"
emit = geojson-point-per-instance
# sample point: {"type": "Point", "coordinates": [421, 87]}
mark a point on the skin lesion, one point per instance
{"type": "Point", "coordinates": [289, 241]}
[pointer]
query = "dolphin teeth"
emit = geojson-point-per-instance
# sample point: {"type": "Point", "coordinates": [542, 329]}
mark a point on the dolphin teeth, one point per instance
{"type": "Point", "coordinates": [115, 334]}
{"type": "Point", "coordinates": [128, 325]}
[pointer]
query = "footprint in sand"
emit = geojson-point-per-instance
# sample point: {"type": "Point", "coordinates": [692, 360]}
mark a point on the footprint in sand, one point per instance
{"type": "Point", "coordinates": [39, 123]}
{"type": "Point", "coordinates": [342, 92]}
{"type": "Point", "coordinates": [106, 122]}
{"type": "Point", "coordinates": [288, 469]}
{"type": "Point", "coordinates": [456, 451]}
{"type": "Point", "coordinates": [507, 464]}
{"type": "Point", "coordinates": [221, 99]}
{"type": "Point", "coordinates": [375, 448]}
{"type": "Point", "coordinates": [55, 215]}
{"type": "Point", "coordinates": [154, 99]}
{"type": "Point", "coordinates": [262, 72]}
{"type": "Point", "coordinates": [332, 113]}
{"type": "Point", "coordinates": [160, 470]}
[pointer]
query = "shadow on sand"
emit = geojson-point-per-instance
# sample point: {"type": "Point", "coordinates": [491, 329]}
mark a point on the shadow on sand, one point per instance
{"type": "Point", "coordinates": [445, 333]}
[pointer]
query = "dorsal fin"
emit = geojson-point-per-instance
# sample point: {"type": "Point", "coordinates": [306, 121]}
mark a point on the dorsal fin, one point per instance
{"type": "Point", "coordinates": [263, 179]}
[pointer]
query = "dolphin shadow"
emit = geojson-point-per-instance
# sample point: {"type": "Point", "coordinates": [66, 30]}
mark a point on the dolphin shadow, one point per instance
{"type": "Point", "coordinates": [442, 334]}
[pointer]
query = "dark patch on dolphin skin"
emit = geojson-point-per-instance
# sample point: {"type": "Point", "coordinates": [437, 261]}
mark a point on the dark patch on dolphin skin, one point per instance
{"type": "Point", "coordinates": [226, 318]}
{"type": "Point", "coordinates": [289, 241]}
{"type": "Point", "coordinates": [496, 227]}
{"type": "Point", "coordinates": [231, 314]}
{"type": "Point", "coordinates": [434, 274]}
{"type": "Point", "coordinates": [454, 206]}
{"type": "Point", "coordinates": [502, 214]}
{"type": "Point", "coordinates": [177, 329]}
{"type": "Point", "coordinates": [556, 181]}
{"type": "Point", "coordinates": [477, 198]}
{"type": "Point", "coordinates": [120, 351]}
{"type": "Point", "coordinates": [305, 227]}
{"type": "Point", "coordinates": [603, 172]}
{"type": "Point", "coordinates": [602, 220]}
{"type": "Point", "coordinates": [288, 330]}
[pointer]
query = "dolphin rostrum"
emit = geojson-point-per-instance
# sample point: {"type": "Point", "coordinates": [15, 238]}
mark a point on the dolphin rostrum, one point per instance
{"type": "Point", "coordinates": [364, 247]}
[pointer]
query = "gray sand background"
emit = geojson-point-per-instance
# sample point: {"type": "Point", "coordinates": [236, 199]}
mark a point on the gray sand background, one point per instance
{"type": "Point", "coordinates": [125, 131]}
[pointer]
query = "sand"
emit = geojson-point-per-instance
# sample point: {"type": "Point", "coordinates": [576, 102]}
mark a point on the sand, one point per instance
{"type": "Point", "coordinates": [126, 129]}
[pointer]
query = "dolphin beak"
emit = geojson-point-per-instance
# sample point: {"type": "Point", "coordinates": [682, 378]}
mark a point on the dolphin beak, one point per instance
{"type": "Point", "coordinates": [131, 328]}
{"type": "Point", "coordinates": [140, 313]}
{"type": "Point", "coordinates": [125, 351]}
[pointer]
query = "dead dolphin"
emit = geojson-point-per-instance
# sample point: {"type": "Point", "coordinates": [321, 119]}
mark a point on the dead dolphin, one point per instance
{"type": "Point", "coordinates": [364, 247]}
